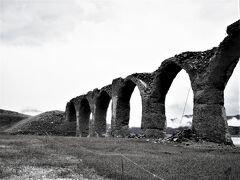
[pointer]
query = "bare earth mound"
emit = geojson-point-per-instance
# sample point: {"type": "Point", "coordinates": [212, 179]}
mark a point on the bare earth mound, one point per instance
{"type": "Point", "coordinates": [9, 118]}
{"type": "Point", "coordinates": [47, 123]}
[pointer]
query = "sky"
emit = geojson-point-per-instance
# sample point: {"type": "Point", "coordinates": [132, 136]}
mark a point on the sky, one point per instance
{"type": "Point", "coordinates": [54, 50]}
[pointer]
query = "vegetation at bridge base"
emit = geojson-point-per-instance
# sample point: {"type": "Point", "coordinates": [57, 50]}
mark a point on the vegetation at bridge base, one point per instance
{"type": "Point", "coordinates": [25, 156]}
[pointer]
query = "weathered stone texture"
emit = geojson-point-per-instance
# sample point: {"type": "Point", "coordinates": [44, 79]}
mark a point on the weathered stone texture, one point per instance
{"type": "Point", "coordinates": [83, 111]}
{"type": "Point", "coordinates": [209, 72]}
{"type": "Point", "coordinates": [100, 112]}
{"type": "Point", "coordinates": [210, 123]}
{"type": "Point", "coordinates": [70, 112]}
{"type": "Point", "coordinates": [209, 119]}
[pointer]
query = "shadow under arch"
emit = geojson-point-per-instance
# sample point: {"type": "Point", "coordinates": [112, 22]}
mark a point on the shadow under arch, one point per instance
{"type": "Point", "coordinates": [84, 117]}
{"type": "Point", "coordinates": [101, 107]}
{"type": "Point", "coordinates": [71, 113]}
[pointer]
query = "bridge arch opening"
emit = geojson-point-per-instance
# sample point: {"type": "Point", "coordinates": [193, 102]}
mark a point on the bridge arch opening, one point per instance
{"type": "Point", "coordinates": [179, 102]}
{"type": "Point", "coordinates": [232, 106]}
{"type": "Point", "coordinates": [169, 73]}
{"type": "Point", "coordinates": [72, 113]}
{"type": "Point", "coordinates": [135, 109]}
{"type": "Point", "coordinates": [102, 104]}
{"type": "Point", "coordinates": [84, 117]}
{"type": "Point", "coordinates": [128, 103]}
{"type": "Point", "coordinates": [109, 118]}
{"type": "Point", "coordinates": [164, 81]}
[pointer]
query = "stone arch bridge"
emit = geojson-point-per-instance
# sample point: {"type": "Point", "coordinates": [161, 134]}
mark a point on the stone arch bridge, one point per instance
{"type": "Point", "coordinates": [209, 72]}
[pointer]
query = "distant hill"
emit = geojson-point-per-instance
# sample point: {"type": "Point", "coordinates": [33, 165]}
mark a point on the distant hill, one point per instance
{"type": "Point", "coordinates": [234, 116]}
{"type": "Point", "coordinates": [47, 123]}
{"type": "Point", "coordinates": [175, 125]}
{"type": "Point", "coordinates": [53, 123]}
{"type": "Point", "coordinates": [186, 121]}
{"type": "Point", "coordinates": [9, 118]}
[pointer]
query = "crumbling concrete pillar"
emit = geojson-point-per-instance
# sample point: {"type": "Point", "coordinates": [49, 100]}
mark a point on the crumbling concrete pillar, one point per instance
{"type": "Point", "coordinates": [209, 116]}
{"type": "Point", "coordinates": [100, 113]}
{"type": "Point", "coordinates": [78, 132]}
{"type": "Point", "coordinates": [121, 93]}
{"type": "Point", "coordinates": [100, 123]}
{"type": "Point", "coordinates": [153, 117]}
{"type": "Point", "coordinates": [91, 97]}
{"type": "Point", "coordinates": [83, 111]}
{"type": "Point", "coordinates": [153, 112]}
{"type": "Point", "coordinates": [87, 109]}
{"type": "Point", "coordinates": [84, 118]}
{"type": "Point", "coordinates": [163, 78]}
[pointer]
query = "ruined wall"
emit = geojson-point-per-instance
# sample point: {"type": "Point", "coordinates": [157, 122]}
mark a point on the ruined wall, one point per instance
{"type": "Point", "coordinates": [208, 71]}
{"type": "Point", "coordinates": [101, 104]}
{"type": "Point", "coordinates": [122, 90]}
{"type": "Point", "coordinates": [209, 117]}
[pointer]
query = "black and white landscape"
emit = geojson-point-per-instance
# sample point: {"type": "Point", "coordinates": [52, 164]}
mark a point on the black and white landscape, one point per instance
{"type": "Point", "coordinates": [54, 53]}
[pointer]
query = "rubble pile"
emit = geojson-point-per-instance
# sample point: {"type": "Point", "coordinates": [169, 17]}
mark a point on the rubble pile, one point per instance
{"type": "Point", "coordinates": [136, 136]}
{"type": "Point", "coordinates": [183, 136]}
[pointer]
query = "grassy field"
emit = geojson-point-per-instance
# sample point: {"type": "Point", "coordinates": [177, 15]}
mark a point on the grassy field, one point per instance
{"type": "Point", "coordinates": [57, 157]}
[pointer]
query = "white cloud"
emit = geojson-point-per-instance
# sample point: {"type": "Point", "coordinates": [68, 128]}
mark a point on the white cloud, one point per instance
{"type": "Point", "coordinates": [53, 50]}
{"type": "Point", "coordinates": [30, 22]}
{"type": "Point", "coordinates": [234, 122]}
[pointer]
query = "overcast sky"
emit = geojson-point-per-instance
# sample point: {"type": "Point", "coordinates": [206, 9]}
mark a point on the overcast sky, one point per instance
{"type": "Point", "coordinates": [54, 50]}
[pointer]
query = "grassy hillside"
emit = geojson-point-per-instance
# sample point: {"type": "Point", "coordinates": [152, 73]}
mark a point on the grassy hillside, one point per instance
{"type": "Point", "coordinates": [9, 118]}
{"type": "Point", "coordinates": [51, 122]}
{"type": "Point", "coordinates": [55, 157]}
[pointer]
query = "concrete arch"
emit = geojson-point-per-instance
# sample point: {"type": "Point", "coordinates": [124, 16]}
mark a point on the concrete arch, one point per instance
{"type": "Point", "coordinates": [155, 123]}
{"type": "Point", "coordinates": [164, 78]}
{"type": "Point", "coordinates": [209, 72]}
{"type": "Point", "coordinates": [209, 115]}
{"type": "Point", "coordinates": [83, 111]}
{"type": "Point", "coordinates": [122, 91]}
{"type": "Point", "coordinates": [107, 89]}
{"type": "Point", "coordinates": [101, 105]}
{"type": "Point", "coordinates": [84, 117]}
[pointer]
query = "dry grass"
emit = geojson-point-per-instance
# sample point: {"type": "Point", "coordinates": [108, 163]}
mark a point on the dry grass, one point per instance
{"type": "Point", "coordinates": [41, 157]}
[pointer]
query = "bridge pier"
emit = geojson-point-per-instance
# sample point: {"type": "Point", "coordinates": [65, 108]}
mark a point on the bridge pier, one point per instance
{"type": "Point", "coordinates": [120, 117]}
{"type": "Point", "coordinates": [209, 116]}
{"type": "Point", "coordinates": [153, 117]}
{"type": "Point", "coordinates": [78, 132]}
{"type": "Point", "coordinates": [100, 114]}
